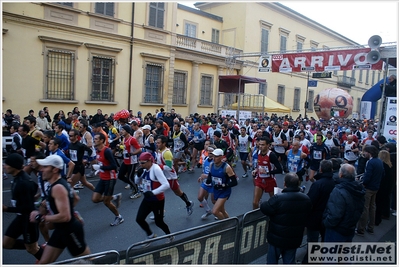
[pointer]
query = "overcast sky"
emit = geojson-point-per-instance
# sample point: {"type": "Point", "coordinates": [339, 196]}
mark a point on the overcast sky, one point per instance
{"type": "Point", "coordinates": [356, 20]}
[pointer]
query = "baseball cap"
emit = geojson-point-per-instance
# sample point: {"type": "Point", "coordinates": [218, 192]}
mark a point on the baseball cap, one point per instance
{"type": "Point", "coordinates": [218, 152]}
{"type": "Point", "coordinates": [146, 156]}
{"type": "Point", "coordinates": [15, 161]}
{"type": "Point", "coordinates": [52, 160]}
{"type": "Point", "coordinates": [285, 123]}
{"type": "Point", "coordinates": [146, 127]}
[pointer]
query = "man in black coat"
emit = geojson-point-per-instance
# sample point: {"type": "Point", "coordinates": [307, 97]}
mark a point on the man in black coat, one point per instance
{"type": "Point", "coordinates": [288, 212]}
{"type": "Point", "coordinates": [390, 88]}
{"type": "Point", "coordinates": [319, 193]}
{"type": "Point", "coordinates": [344, 207]}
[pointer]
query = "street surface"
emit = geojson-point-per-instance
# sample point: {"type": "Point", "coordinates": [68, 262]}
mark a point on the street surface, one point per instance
{"type": "Point", "coordinates": [100, 236]}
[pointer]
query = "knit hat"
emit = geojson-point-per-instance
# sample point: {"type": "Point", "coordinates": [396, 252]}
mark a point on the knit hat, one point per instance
{"type": "Point", "coordinates": [217, 133]}
{"type": "Point", "coordinates": [15, 161]}
{"type": "Point", "coordinates": [127, 128]}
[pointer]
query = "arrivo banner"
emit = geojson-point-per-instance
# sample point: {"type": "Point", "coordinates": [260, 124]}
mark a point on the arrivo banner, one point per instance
{"type": "Point", "coordinates": [329, 60]}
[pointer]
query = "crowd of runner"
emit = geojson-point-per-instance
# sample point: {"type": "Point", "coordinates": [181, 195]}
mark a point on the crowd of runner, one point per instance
{"type": "Point", "coordinates": [149, 152]}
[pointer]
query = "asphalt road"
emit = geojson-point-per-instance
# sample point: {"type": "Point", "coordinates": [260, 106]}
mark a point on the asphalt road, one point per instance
{"type": "Point", "coordinates": [100, 236]}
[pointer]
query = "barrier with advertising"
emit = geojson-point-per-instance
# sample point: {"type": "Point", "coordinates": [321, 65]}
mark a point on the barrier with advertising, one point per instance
{"type": "Point", "coordinates": [243, 116]}
{"type": "Point", "coordinates": [390, 122]}
{"type": "Point", "coordinates": [225, 112]}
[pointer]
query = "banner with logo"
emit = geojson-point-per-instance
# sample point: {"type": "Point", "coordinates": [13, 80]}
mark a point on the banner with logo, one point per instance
{"type": "Point", "coordinates": [265, 64]}
{"type": "Point", "coordinates": [328, 60]}
{"type": "Point", "coordinates": [243, 116]}
{"type": "Point", "coordinates": [365, 110]}
{"type": "Point", "coordinates": [390, 122]}
{"type": "Point", "coordinates": [225, 112]}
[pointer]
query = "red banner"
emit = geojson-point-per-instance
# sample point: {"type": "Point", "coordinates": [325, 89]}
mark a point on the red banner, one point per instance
{"type": "Point", "coordinates": [329, 60]}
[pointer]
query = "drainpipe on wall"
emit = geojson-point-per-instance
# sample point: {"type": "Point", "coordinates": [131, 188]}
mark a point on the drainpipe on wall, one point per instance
{"type": "Point", "coordinates": [131, 60]}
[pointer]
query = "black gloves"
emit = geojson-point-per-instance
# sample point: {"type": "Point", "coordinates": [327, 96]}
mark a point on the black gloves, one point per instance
{"type": "Point", "coordinates": [148, 194]}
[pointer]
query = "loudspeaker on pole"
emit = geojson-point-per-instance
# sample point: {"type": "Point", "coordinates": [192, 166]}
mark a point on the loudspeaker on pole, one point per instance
{"type": "Point", "coordinates": [375, 41]}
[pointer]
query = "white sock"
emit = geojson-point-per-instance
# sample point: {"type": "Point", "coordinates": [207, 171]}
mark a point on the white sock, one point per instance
{"type": "Point", "coordinates": [205, 204]}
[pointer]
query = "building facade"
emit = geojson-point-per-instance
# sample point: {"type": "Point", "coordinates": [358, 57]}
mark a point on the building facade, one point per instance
{"type": "Point", "coordinates": [150, 55]}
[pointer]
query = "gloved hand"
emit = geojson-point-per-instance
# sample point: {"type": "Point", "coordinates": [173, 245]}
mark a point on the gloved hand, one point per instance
{"type": "Point", "coordinates": [96, 167]}
{"type": "Point", "coordinates": [148, 194]}
{"type": "Point", "coordinates": [140, 172]}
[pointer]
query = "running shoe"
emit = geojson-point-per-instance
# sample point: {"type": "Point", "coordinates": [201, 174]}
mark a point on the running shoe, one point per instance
{"type": "Point", "coordinates": [149, 238]}
{"type": "Point", "coordinates": [245, 175]}
{"type": "Point", "coordinates": [135, 195]}
{"type": "Point", "coordinates": [191, 170]}
{"type": "Point", "coordinates": [79, 185]}
{"type": "Point", "coordinates": [205, 215]}
{"type": "Point", "coordinates": [190, 208]}
{"type": "Point", "coordinates": [117, 200]}
{"type": "Point", "coordinates": [170, 239]}
{"type": "Point", "coordinates": [370, 231]}
{"type": "Point", "coordinates": [118, 220]}
{"type": "Point", "coordinates": [127, 186]}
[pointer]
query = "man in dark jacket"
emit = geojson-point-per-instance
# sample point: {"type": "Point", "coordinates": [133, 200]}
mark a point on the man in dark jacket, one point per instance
{"type": "Point", "coordinates": [319, 193]}
{"type": "Point", "coordinates": [390, 88]}
{"type": "Point", "coordinates": [344, 207]}
{"type": "Point", "coordinates": [288, 212]}
{"type": "Point", "coordinates": [371, 182]}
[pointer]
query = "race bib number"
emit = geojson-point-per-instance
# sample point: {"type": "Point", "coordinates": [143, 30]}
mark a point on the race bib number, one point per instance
{"type": "Point", "coordinates": [217, 180]}
{"type": "Point", "coordinates": [317, 154]}
{"type": "Point", "coordinates": [73, 154]}
{"type": "Point", "coordinates": [147, 185]}
{"type": "Point", "coordinates": [264, 172]}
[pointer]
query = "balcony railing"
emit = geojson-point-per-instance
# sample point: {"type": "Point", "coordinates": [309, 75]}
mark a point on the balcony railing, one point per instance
{"type": "Point", "coordinates": [205, 47]}
{"type": "Point", "coordinates": [346, 81]}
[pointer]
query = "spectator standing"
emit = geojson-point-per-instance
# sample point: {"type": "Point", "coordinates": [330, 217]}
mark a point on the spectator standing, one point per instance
{"type": "Point", "coordinates": [287, 211]}
{"type": "Point", "coordinates": [344, 207]}
{"type": "Point", "coordinates": [98, 117]}
{"type": "Point", "coordinates": [371, 182]}
{"type": "Point", "coordinates": [42, 123]}
{"type": "Point", "coordinates": [382, 200]}
{"type": "Point", "coordinates": [319, 193]}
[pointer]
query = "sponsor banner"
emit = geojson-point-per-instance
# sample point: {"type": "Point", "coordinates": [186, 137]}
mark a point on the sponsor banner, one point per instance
{"type": "Point", "coordinates": [341, 253]}
{"type": "Point", "coordinates": [243, 116]}
{"type": "Point", "coordinates": [225, 112]}
{"type": "Point", "coordinates": [365, 110]}
{"type": "Point", "coordinates": [265, 64]}
{"type": "Point", "coordinates": [390, 123]}
{"type": "Point", "coordinates": [324, 61]}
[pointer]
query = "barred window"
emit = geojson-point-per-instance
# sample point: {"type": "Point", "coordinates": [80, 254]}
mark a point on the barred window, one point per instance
{"type": "Point", "coordinates": [359, 104]}
{"type": "Point", "coordinates": [206, 90]}
{"type": "Point", "coordinates": [102, 80]}
{"type": "Point", "coordinates": [297, 98]}
{"type": "Point", "coordinates": [263, 88]}
{"type": "Point", "coordinates": [156, 17]}
{"type": "Point", "coordinates": [281, 94]}
{"type": "Point", "coordinates": [179, 88]}
{"type": "Point", "coordinates": [60, 75]}
{"type": "Point", "coordinates": [310, 100]}
{"type": "Point", "coordinates": [153, 83]}
{"type": "Point", "coordinates": [105, 9]}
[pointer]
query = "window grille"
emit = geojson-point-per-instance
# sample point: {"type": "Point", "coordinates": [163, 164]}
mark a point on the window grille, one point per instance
{"type": "Point", "coordinates": [153, 83]}
{"type": "Point", "coordinates": [263, 89]}
{"type": "Point", "coordinates": [206, 90]}
{"type": "Point", "coordinates": [311, 100]}
{"type": "Point", "coordinates": [179, 88]}
{"type": "Point", "coordinates": [280, 94]}
{"type": "Point", "coordinates": [297, 98]}
{"type": "Point", "coordinates": [102, 79]}
{"type": "Point", "coordinates": [60, 75]}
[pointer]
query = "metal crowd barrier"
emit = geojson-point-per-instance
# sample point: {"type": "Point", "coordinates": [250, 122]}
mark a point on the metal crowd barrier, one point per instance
{"type": "Point", "coordinates": [106, 257]}
{"type": "Point", "coordinates": [237, 240]}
